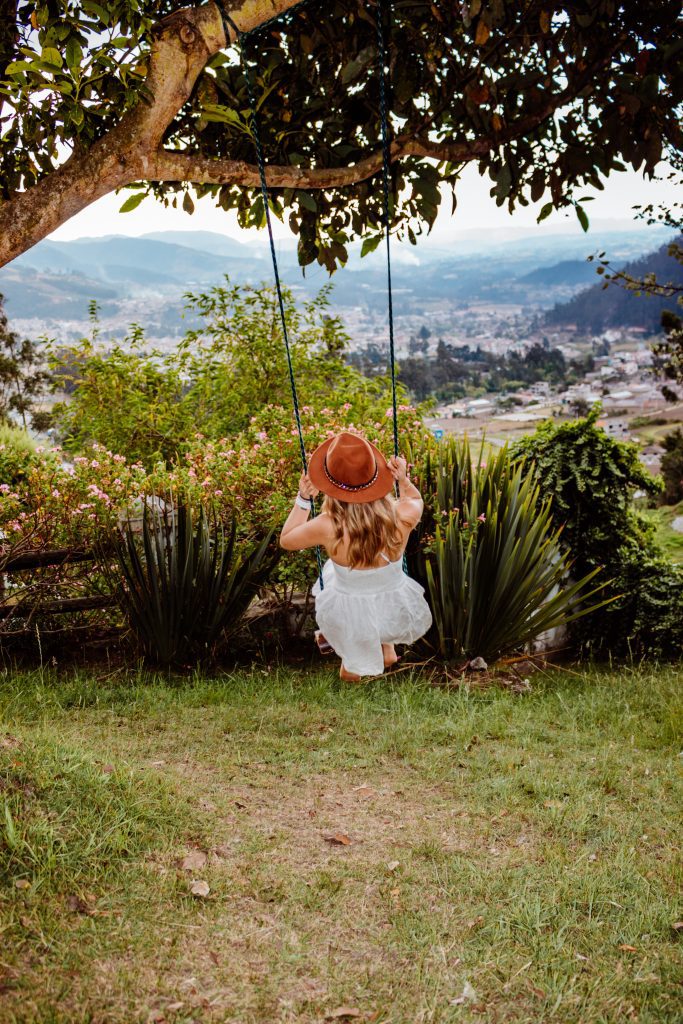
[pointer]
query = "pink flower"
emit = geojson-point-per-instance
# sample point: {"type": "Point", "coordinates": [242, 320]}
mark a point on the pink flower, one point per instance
{"type": "Point", "coordinates": [218, 493]}
{"type": "Point", "coordinates": [256, 447]}
{"type": "Point", "coordinates": [55, 493]}
{"type": "Point", "coordinates": [4, 488]}
{"type": "Point", "coordinates": [482, 517]}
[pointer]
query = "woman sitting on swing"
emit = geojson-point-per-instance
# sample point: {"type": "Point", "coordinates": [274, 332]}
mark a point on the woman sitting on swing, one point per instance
{"type": "Point", "coordinates": [366, 603]}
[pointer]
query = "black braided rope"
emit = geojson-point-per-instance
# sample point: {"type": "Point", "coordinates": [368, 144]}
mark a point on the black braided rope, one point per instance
{"type": "Point", "coordinates": [386, 161]}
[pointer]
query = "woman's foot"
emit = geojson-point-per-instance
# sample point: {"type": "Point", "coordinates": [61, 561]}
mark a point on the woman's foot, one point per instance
{"type": "Point", "coordinates": [389, 654]}
{"type": "Point", "coordinates": [348, 677]}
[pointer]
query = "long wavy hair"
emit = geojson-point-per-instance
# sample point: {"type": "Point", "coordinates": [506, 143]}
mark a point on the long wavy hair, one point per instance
{"type": "Point", "coordinates": [371, 527]}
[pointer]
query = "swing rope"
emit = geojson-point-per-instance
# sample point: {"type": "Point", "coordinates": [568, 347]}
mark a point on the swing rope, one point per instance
{"type": "Point", "coordinates": [386, 158]}
{"type": "Point", "coordinates": [241, 38]}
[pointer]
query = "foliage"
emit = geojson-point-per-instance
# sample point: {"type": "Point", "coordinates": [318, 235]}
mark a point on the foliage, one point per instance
{"type": "Point", "coordinates": [23, 379]}
{"type": "Point", "coordinates": [494, 570]}
{"type": "Point", "coordinates": [146, 405]}
{"type": "Point", "coordinates": [672, 467]}
{"type": "Point", "coordinates": [184, 585]}
{"type": "Point", "coordinates": [458, 371]}
{"type": "Point", "coordinates": [489, 75]}
{"type": "Point", "coordinates": [668, 354]}
{"type": "Point", "coordinates": [591, 479]}
{"type": "Point", "coordinates": [17, 454]}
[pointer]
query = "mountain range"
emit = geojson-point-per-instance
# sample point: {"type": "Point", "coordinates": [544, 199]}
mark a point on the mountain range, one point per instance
{"type": "Point", "coordinates": [144, 278]}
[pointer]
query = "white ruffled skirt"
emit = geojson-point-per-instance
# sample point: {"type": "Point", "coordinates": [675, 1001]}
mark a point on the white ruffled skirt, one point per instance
{"type": "Point", "coordinates": [358, 610]}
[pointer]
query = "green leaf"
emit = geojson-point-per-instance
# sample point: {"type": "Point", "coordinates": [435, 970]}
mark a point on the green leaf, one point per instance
{"type": "Point", "coordinates": [545, 212]}
{"type": "Point", "coordinates": [583, 216]}
{"type": "Point", "coordinates": [307, 201]}
{"type": "Point", "coordinates": [51, 56]}
{"type": "Point", "coordinates": [132, 202]}
{"type": "Point", "coordinates": [370, 244]}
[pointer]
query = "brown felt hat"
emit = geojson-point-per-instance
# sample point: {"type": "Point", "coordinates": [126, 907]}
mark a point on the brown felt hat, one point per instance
{"type": "Point", "coordinates": [349, 468]}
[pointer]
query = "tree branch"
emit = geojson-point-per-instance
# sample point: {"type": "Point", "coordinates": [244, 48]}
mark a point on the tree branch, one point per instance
{"type": "Point", "coordinates": [183, 42]}
{"type": "Point", "coordinates": [177, 165]}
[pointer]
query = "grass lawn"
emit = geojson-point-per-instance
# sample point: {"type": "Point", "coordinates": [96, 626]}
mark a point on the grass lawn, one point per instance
{"type": "Point", "coordinates": [380, 853]}
{"type": "Point", "coordinates": [669, 540]}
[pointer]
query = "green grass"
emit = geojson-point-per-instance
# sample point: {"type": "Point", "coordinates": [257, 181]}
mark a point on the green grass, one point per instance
{"type": "Point", "coordinates": [515, 844]}
{"type": "Point", "coordinates": [670, 541]}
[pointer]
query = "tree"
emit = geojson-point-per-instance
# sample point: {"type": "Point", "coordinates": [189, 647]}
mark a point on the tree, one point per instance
{"type": "Point", "coordinates": [23, 380]}
{"type": "Point", "coordinates": [672, 467]}
{"type": "Point", "coordinates": [668, 354]}
{"type": "Point", "coordinates": [546, 98]}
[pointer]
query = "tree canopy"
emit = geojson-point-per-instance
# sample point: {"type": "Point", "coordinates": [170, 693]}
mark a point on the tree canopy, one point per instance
{"type": "Point", "coordinates": [545, 97]}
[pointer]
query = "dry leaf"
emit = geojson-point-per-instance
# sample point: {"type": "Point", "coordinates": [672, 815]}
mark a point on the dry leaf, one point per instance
{"type": "Point", "coordinates": [393, 864]}
{"type": "Point", "coordinates": [677, 926]}
{"type": "Point", "coordinates": [476, 921]}
{"type": "Point", "coordinates": [200, 888]}
{"type": "Point", "coordinates": [215, 957]}
{"type": "Point", "coordinates": [482, 34]}
{"type": "Point", "coordinates": [342, 1011]}
{"type": "Point", "coordinates": [363, 791]}
{"type": "Point", "coordinates": [194, 860]}
{"type": "Point", "coordinates": [240, 804]}
{"type": "Point", "coordinates": [25, 922]}
{"type": "Point", "coordinates": [22, 883]}
{"type": "Point", "coordinates": [544, 21]}
{"type": "Point", "coordinates": [107, 769]}
{"type": "Point", "coordinates": [9, 742]}
{"type": "Point", "coordinates": [338, 839]}
{"type": "Point", "coordinates": [174, 1006]}
{"type": "Point", "coordinates": [627, 948]}
{"type": "Point", "coordinates": [553, 803]}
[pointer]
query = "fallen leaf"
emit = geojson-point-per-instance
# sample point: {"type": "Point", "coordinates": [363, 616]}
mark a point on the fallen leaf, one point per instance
{"type": "Point", "coordinates": [343, 1011]}
{"type": "Point", "coordinates": [393, 864]}
{"type": "Point", "coordinates": [553, 803]}
{"type": "Point", "coordinates": [677, 926]}
{"type": "Point", "coordinates": [25, 922]}
{"type": "Point", "coordinates": [338, 839]}
{"type": "Point", "coordinates": [157, 764]}
{"type": "Point", "coordinates": [200, 888]}
{"type": "Point", "coordinates": [22, 883]}
{"type": "Point", "coordinates": [627, 948]}
{"type": "Point", "coordinates": [238, 803]}
{"type": "Point", "coordinates": [476, 921]}
{"type": "Point", "coordinates": [194, 860]}
{"type": "Point", "coordinates": [9, 742]}
{"type": "Point", "coordinates": [363, 791]}
{"type": "Point", "coordinates": [107, 769]}
{"type": "Point", "coordinates": [174, 1006]}
{"type": "Point", "coordinates": [215, 957]}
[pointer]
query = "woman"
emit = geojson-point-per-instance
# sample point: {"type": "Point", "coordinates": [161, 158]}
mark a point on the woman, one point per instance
{"type": "Point", "coordinates": [367, 603]}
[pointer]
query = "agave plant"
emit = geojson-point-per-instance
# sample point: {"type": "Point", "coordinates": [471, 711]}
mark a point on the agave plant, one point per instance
{"type": "Point", "coordinates": [182, 582]}
{"type": "Point", "coordinates": [488, 556]}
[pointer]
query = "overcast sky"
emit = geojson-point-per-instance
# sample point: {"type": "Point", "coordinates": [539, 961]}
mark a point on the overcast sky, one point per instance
{"type": "Point", "coordinates": [476, 211]}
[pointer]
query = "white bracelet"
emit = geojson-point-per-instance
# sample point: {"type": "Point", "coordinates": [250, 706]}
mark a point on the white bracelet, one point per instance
{"type": "Point", "coordinates": [304, 503]}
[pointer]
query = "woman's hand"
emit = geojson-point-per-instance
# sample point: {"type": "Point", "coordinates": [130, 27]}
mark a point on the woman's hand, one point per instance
{"type": "Point", "coordinates": [399, 468]}
{"type": "Point", "coordinates": [306, 488]}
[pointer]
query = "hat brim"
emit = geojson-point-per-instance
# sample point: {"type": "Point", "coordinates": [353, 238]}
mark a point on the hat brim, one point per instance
{"type": "Point", "coordinates": [379, 488]}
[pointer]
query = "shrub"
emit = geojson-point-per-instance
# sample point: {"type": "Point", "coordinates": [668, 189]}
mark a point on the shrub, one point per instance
{"type": "Point", "coordinates": [184, 584]}
{"type": "Point", "coordinates": [493, 567]}
{"type": "Point", "coordinates": [591, 479]}
{"type": "Point", "coordinates": [672, 467]}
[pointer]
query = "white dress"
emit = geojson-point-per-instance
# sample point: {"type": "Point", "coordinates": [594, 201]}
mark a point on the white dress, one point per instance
{"type": "Point", "coordinates": [358, 610]}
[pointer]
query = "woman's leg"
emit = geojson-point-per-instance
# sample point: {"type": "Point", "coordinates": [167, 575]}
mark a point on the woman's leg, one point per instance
{"type": "Point", "coordinates": [389, 654]}
{"type": "Point", "coordinates": [348, 677]}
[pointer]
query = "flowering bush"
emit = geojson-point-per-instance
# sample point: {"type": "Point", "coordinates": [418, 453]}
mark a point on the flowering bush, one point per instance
{"type": "Point", "coordinates": [253, 476]}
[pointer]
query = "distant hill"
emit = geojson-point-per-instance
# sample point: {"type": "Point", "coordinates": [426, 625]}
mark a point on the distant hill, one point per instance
{"type": "Point", "coordinates": [566, 272]}
{"type": "Point", "coordinates": [596, 309]}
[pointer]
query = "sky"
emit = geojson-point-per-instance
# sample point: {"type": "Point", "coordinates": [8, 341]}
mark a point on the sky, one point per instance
{"type": "Point", "coordinates": [476, 211]}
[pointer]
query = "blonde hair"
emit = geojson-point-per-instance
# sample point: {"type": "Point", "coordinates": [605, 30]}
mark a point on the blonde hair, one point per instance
{"type": "Point", "coordinates": [371, 527]}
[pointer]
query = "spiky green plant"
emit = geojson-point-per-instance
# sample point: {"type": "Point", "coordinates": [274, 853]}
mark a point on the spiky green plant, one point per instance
{"type": "Point", "coordinates": [183, 584]}
{"type": "Point", "coordinates": [488, 555]}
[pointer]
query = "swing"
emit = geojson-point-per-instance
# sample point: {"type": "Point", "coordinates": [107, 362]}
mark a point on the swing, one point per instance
{"type": "Point", "coordinates": [242, 38]}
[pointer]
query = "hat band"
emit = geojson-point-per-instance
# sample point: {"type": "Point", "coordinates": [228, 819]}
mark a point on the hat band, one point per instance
{"type": "Point", "coordinates": [350, 487]}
